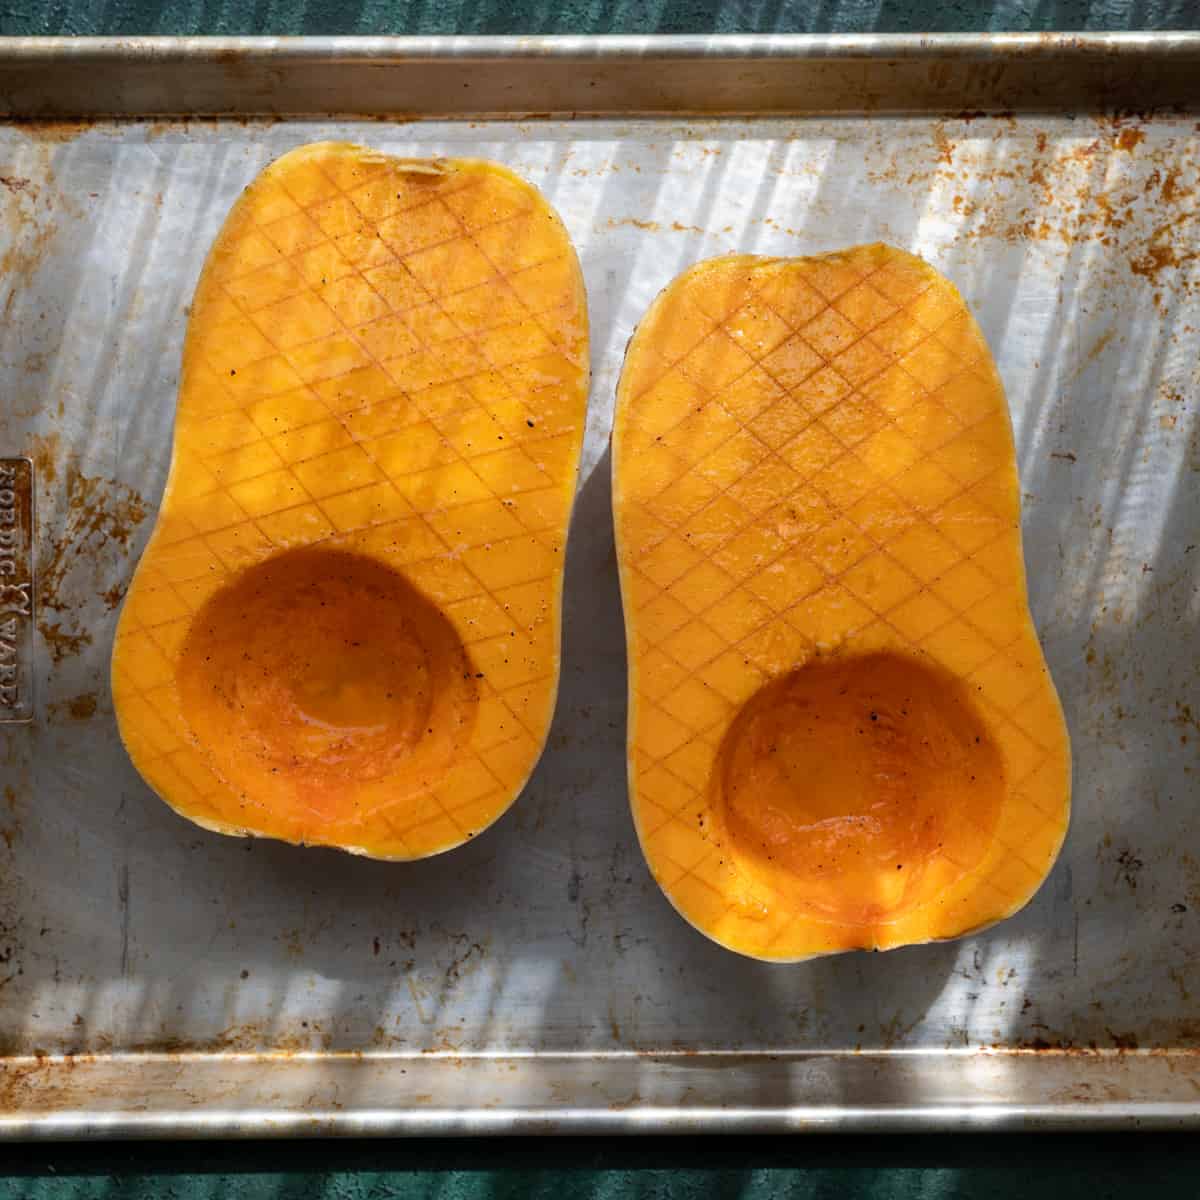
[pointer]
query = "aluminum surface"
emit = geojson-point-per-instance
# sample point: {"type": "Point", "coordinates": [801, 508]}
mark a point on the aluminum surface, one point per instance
{"type": "Point", "coordinates": [155, 978]}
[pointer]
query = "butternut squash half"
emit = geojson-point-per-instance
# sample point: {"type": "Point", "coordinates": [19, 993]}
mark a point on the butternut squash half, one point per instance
{"type": "Point", "coordinates": [842, 732]}
{"type": "Point", "coordinates": [345, 627]}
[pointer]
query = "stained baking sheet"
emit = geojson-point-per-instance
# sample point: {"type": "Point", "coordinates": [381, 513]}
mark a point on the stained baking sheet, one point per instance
{"type": "Point", "coordinates": [158, 978]}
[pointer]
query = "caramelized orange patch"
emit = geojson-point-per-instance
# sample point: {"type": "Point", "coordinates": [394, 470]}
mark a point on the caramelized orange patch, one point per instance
{"type": "Point", "coordinates": [859, 787]}
{"type": "Point", "coordinates": [318, 671]}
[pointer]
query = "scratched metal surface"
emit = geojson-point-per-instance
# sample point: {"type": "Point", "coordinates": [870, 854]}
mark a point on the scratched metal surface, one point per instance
{"type": "Point", "coordinates": [1077, 243]}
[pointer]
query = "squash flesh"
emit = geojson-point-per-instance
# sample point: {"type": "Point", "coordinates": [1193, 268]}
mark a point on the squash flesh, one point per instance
{"type": "Point", "coordinates": [345, 627]}
{"type": "Point", "coordinates": [842, 731]}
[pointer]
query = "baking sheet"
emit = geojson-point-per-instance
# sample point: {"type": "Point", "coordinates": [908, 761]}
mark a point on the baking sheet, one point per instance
{"type": "Point", "coordinates": [129, 935]}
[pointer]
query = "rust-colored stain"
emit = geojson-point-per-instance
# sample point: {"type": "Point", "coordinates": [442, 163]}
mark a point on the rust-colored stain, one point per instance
{"type": "Point", "coordinates": [293, 943]}
{"type": "Point", "coordinates": [1123, 1041]}
{"type": "Point", "coordinates": [44, 450]}
{"type": "Point", "coordinates": [1120, 1042]}
{"type": "Point", "coordinates": [1159, 255]}
{"type": "Point", "coordinates": [466, 961]}
{"type": "Point", "coordinates": [55, 133]}
{"type": "Point", "coordinates": [77, 708]}
{"type": "Point", "coordinates": [895, 1031]}
{"type": "Point", "coordinates": [634, 222]}
{"type": "Point", "coordinates": [11, 831]}
{"type": "Point", "coordinates": [1099, 345]}
{"type": "Point", "coordinates": [1109, 186]}
{"type": "Point", "coordinates": [100, 516]}
{"type": "Point", "coordinates": [1130, 866]}
{"type": "Point", "coordinates": [945, 148]}
{"type": "Point", "coordinates": [1170, 191]}
{"type": "Point", "coordinates": [1184, 720]}
{"type": "Point", "coordinates": [113, 596]}
{"type": "Point", "coordinates": [63, 643]}
{"type": "Point", "coordinates": [31, 229]}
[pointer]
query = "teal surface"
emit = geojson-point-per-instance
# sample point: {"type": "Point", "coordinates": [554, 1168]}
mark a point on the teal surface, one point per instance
{"type": "Point", "coordinates": [1041, 1168]}
{"type": "Point", "coordinates": [1028, 1167]}
{"type": "Point", "coordinates": [584, 16]}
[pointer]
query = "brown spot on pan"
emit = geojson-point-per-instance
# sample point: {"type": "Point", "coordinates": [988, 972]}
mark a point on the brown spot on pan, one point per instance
{"type": "Point", "coordinates": [61, 642]}
{"type": "Point", "coordinates": [92, 522]}
{"type": "Point", "coordinates": [44, 452]}
{"type": "Point", "coordinates": [945, 147]}
{"type": "Point", "coordinates": [1158, 256]}
{"type": "Point", "coordinates": [1130, 866]}
{"type": "Point", "coordinates": [646, 226]}
{"type": "Point", "coordinates": [1171, 190]}
{"type": "Point", "coordinates": [10, 832]}
{"type": "Point", "coordinates": [77, 708]}
{"type": "Point", "coordinates": [54, 133]}
{"type": "Point", "coordinates": [113, 596]}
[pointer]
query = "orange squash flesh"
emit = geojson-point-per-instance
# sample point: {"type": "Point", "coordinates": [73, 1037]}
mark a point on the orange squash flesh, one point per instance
{"type": "Point", "coordinates": [345, 627]}
{"type": "Point", "coordinates": [842, 731]}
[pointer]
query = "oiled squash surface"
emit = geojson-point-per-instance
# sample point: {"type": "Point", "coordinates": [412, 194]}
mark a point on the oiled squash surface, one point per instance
{"type": "Point", "coordinates": [345, 628]}
{"type": "Point", "coordinates": [842, 731]}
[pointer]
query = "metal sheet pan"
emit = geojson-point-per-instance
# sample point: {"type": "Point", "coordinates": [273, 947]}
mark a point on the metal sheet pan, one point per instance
{"type": "Point", "coordinates": [156, 979]}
